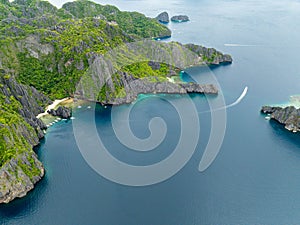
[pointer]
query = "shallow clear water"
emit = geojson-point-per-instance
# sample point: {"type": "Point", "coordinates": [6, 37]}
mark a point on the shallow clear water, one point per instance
{"type": "Point", "coordinates": [254, 179]}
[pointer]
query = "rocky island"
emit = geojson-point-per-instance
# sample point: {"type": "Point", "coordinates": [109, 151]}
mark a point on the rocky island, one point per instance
{"type": "Point", "coordinates": [288, 116]}
{"type": "Point", "coordinates": [180, 18]}
{"type": "Point", "coordinates": [48, 53]}
{"type": "Point", "coordinates": [163, 17]}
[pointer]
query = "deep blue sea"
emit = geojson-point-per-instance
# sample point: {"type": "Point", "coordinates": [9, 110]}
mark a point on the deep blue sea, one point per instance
{"type": "Point", "coordinates": [255, 178]}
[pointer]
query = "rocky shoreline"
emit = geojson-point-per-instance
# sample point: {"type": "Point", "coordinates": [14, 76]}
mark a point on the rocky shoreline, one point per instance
{"type": "Point", "coordinates": [44, 60]}
{"type": "Point", "coordinates": [288, 116]}
{"type": "Point", "coordinates": [138, 86]}
{"type": "Point", "coordinates": [16, 179]}
{"type": "Point", "coordinates": [19, 174]}
{"type": "Point", "coordinates": [115, 88]}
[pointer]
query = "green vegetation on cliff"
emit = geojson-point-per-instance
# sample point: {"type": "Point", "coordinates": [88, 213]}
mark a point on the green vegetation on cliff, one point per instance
{"type": "Point", "coordinates": [133, 23]}
{"type": "Point", "coordinates": [16, 135]}
{"type": "Point", "coordinates": [13, 130]}
{"type": "Point", "coordinates": [45, 51]}
{"type": "Point", "coordinates": [19, 166]}
{"type": "Point", "coordinates": [143, 70]}
{"type": "Point", "coordinates": [51, 46]}
{"type": "Point", "coordinates": [49, 49]}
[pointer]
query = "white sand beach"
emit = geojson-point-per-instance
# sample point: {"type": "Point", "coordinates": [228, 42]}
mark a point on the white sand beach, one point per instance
{"type": "Point", "coordinates": [52, 106]}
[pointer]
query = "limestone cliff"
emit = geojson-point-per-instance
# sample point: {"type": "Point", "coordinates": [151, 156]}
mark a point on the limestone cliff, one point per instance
{"type": "Point", "coordinates": [20, 131]}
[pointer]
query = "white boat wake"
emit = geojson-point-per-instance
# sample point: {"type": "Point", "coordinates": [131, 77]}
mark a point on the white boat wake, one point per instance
{"type": "Point", "coordinates": [239, 45]}
{"type": "Point", "coordinates": [239, 99]}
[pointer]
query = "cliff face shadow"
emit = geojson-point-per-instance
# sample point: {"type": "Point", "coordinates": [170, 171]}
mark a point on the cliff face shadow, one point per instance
{"type": "Point", "coordinates": [279, 130]}
{"type": "Point", "coordinates": [214, 67]}
{"type": "Point", "coordinates": [22, 207]}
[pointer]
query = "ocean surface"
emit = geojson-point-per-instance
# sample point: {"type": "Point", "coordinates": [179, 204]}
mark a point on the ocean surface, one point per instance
{"type": "Point", "coordinates": [255, 178]}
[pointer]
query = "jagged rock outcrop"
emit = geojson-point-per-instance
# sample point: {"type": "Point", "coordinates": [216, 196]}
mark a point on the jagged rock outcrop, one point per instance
{"type": "Point", "coordinates": [180, 18]}
{"type": "Point", "coordinates": [19, 175]}
{"type": "Point", "coordinates": [32, 102]}
{"type": "Point", "coordinates": [163, 17]}
{"type": "Point", "coordinates": [270, 109]}
{"type": "Point", "coordinates": [288, 116]}
{"type": "Point", "coordinates": [210, 55]}
{"type": "Point", "coordinates": [62, 112]}
{"type": "Point", "coordinates": [32, 44]}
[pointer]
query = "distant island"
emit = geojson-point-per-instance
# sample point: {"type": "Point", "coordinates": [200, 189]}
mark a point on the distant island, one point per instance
{"type": "Point", "coordinates": [46, 51]}
{"type": "Point", "coordinates": [180, 18]}
{"type": "Point", "coordinates": [164, 18]}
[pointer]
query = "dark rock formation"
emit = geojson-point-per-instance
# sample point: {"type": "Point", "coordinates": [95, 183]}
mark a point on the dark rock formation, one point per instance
{"type": "Point", "coordinates": [199, 88]}
{"type": "Point", "coordinates": [154, 65]}
{"type": "Point", "coordinates": [270, 109]}
{"type": "Point", "coordinates": [180, 18]}
{"type": "Point", "coordinates": [62, 112]}
{"type": "Point", "coordinates": [288, 116]}
{"type": "Point", "coordinates": [210, 55]}
{"type": "Point", "coordinates": [163, 17]}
